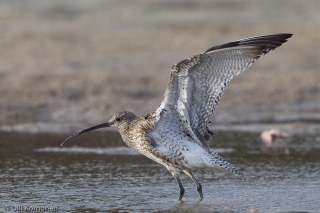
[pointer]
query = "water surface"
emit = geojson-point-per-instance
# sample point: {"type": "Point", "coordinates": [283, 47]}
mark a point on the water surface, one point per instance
{"type": "Point", "coordinates": [94, 173]}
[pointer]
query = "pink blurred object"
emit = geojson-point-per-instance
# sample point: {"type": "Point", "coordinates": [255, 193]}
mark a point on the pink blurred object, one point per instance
{"type": "Point", "coordinates": [270, 136]}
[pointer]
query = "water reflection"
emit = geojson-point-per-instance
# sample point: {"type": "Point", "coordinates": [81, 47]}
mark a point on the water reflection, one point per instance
{"type": "Point", "coordinates": [283, 177]}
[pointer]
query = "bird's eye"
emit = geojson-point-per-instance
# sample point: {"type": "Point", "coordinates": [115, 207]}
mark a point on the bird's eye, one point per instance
{"type": "Point", "coordinates": [117, 119]}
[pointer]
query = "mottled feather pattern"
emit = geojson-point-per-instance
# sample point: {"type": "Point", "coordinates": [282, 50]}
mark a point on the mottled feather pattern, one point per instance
{"type": "Point", "coordinates": [168, 140]}
{"type": "Point", "coordinates": [137, 138]}
{"type": "Point", "coordinates": [197, 83]}
{"type": "Point", "coordinates": [176, 134]}
{"type": "Point", "coordinates": [179, 131]}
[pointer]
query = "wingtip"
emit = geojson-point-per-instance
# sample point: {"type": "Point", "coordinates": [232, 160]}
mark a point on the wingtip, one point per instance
{"type": "Point", "coordinates": [285, 36]}
{"type": "Point", "coordinates": [288, 35]}
{"type": "Point", "coordinates": [271, 40]}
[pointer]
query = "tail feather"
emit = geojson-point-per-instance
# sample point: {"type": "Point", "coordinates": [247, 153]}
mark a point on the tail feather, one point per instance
{"type": "Point", "coordinates": [216, 163]}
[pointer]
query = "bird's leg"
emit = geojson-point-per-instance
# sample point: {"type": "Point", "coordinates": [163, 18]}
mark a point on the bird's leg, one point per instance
{"type": "Point", "coordinates": [176, 176]}
{"type": "Point", "coordinates": [199, 187]}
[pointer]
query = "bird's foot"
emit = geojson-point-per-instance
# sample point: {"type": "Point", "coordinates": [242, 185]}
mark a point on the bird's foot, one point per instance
{"type": "Point", "coordinates": [181, 194]}
{"type": "Point", "coordinates": [199, 189]}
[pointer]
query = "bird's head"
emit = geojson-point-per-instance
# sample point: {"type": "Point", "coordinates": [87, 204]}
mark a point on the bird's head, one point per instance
{"type": "Point", "coordinates": [119, 120]}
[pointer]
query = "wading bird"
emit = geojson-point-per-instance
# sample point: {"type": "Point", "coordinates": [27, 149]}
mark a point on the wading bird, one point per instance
{"type": "Point", "coordinates": [176, 134]}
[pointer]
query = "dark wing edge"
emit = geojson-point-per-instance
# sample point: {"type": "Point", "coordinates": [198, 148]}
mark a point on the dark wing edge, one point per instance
{"type": "Point", "coordinates": [204, 64]}
{"type": "Point", "coordinates": [272, 41]}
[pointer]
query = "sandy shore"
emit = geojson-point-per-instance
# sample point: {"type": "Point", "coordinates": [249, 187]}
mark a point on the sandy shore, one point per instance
{"type": "Point", "coordinates": [74, 63]}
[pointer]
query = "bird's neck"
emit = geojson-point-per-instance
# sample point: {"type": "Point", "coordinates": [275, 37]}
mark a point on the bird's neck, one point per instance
{"type": "Point", "coordinates": [125, 127]}
{"type": "Point", "coordinates": [138, 127]}
{"type": "Point", "coordinates": [125, 132]}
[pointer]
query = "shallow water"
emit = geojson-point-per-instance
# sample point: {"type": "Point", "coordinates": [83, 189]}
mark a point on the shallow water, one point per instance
{"type": "Point", "coordinates": [93, 174]}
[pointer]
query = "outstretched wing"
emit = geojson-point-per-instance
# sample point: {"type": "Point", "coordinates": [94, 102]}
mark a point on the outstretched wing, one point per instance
{"type": "Point", "coordinates": [197, 83]}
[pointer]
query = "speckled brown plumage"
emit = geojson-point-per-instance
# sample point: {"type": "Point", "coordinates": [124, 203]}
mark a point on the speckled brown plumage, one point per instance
{"type": "Point", "coordinates": [176, 134]}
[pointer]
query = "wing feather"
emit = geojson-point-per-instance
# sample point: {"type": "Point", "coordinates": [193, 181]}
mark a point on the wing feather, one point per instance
{"type": "Point", "coordinates": [196, 84]}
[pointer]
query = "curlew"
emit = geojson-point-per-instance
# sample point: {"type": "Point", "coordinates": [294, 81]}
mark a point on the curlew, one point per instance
{"type": "Point", "coordinates": [176, 134]}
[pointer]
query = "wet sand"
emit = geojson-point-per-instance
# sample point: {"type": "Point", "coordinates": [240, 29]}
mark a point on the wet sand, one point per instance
{"type": "Point", "coordinates": [66, 65]}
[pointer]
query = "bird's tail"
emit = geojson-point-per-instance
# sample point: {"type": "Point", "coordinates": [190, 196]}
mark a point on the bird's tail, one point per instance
{"type": "Point", "coordinates": [215, 163]}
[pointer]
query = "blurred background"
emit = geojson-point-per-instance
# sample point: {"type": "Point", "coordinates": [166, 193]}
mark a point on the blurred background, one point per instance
{"type": "Point", "coordinates": [67, 64]}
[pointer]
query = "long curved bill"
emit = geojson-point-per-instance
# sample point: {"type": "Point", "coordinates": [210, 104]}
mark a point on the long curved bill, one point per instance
{"type": "Point", "coordinates": [103, 125]}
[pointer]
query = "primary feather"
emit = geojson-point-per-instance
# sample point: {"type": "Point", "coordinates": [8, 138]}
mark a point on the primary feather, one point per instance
{"type": "Point", "coordinates": [196, 84]}
{"type": "Point", "coordinates": [176, 134]}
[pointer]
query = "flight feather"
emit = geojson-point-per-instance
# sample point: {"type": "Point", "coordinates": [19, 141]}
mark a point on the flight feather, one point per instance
{"type": "Point", "coordinates": [196, 84]}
